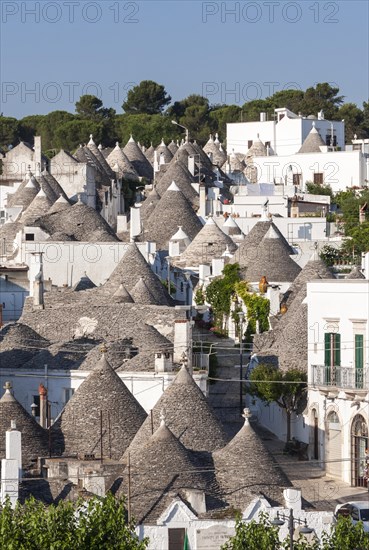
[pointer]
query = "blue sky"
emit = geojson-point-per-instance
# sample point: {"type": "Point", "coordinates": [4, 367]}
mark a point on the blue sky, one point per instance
{"type": "Point", "coordinates": [231, 52]}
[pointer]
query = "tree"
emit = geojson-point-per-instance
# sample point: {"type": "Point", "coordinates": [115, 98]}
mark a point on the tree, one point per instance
{"type": "Point", "coordinates": [99, 524]}
{"type": "Point", "coordinates": [148, 97]}
{"type": "Point", "coordinates": [323, 96]}
{"type": "Point", "coordinates": [263, 535]}
{"type": "Point", "coordinates": [353, 117]}
{"type": "Point", "coordinates": [221, 115]}
{"type": "Point", "coordinates": [29, 127]}
{"type": "Point", "coordinates": [91, 107]}
{"type": "Point", "coordinates": [219, 293]}
{"type": "Point", "coordinates": [287, 389]}
{"type": "Point", "coordinates": [9, 131]}
{"type": "Point", "coordinates": [254, 535]}
{"type": "Point", "coordinates": [70, 135]}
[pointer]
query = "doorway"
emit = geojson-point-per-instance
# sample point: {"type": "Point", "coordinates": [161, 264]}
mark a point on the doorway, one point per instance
{"type": "Point", "coordinates": [359, 445]}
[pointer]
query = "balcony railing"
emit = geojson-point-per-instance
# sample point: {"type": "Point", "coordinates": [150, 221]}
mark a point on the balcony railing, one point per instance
{"type": "Point", "coordinates": [341, 377]}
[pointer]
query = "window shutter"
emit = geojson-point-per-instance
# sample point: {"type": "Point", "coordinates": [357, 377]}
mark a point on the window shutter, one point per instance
{"type": "Point", "coordinates": [337, 350]}
{"type": "Point", "coordinates": [359, 351]}
{"type": "Point", "coordinates": [327, 349]}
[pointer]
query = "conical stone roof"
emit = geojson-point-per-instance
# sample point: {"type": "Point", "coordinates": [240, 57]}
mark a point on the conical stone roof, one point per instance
{"type": "Point", "coordinates": [126, 170]}
{"type": "Point", "coordinates": [38, 207]}
{"type": "Point", "coordinates": [173, 147]}
{"type": "Point", "coordinates": [160, 468]}
{"type": "Point", "coordinates": [80, 223]}
{"type": "Point", "coordinates": [100, 158]}
{"type": "Point", "coordinates": [149, 204]}
{"type": "Point", "coordinates": [179, 173]}
{"type": "Point", "coordinates": [60, 205]}
{"type": "Point", "coordinates": [34, 438]}
{"type": "Point", "coordinates": [230, 227]}
{"type": "Point", "coordinates": [138, 159]}
{"type": "Point", "coordinates": [209, 243]}
{"type": "Point", "coordinates": [271, 259]}
{"type": "Point", "coordinates": [188, 415]}
{"type": "Point", "coordinates": [25, 193]}
{"type": "Point", "coordinates": [315, 268]}
{"type": "Point", "coordinates": [312, 142]}
{"type": "Point", "coordinates": [53, 184]}
{"type": "Point", "coordinates": [84, 284]}
{"type": "Point", "coordinates": [257, 149]}
{"type": "Point", "coordinates": [149, 153]}
{"type": "Point", "coordinates": [162, 150]}
{"type": "Point", "coordinates": [172, 210]}
{"type": "Point", "coordinates": [141, 293]}
{"type": "Point", "coordinates": [101, 398]}
{"type": "Point", "coordinates": [131, 267]}
{"type": "Point", "coordinates": [247, 250]}
{"type": "Point", "coordinates": [245, 469]}
{"type": "Point", "coordinates": [122, 296]}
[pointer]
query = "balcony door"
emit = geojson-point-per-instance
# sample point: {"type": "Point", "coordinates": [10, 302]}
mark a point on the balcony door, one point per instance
{"type": "Point", "coordinates": [332, 358]}
{"type": "Point", "coordinates": [359, 361]}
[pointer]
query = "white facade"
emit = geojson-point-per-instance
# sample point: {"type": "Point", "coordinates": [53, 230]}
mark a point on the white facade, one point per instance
{"type": "Point", "coordinates": [285, 134]}
{"type": "Point", "coordinates": [338, 363]}
{"type": "Point", "coordinates": [338, 169]}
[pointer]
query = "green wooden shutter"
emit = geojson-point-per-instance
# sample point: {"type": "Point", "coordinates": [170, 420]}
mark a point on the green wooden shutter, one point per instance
{"type": "Point", "coordinates": [337, 350]}
{"type": "Point", "coordinates": [327, 349]}
{"type": "Point", "coordinates": [359, 351]}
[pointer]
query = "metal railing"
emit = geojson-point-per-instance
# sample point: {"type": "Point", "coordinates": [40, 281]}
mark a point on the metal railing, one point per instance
{"type": "Point", "coordinates": [200, 361]}
{"type": "Point", "coordinates": [340, 377]}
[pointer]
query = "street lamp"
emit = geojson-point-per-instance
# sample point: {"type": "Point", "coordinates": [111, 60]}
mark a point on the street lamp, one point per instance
{"type": "Point", "coordinates": [184, 127]}
{"type": "Point", "coordinates": [241, 316]}
{"type": "Point", "coordinates": [281, 518]}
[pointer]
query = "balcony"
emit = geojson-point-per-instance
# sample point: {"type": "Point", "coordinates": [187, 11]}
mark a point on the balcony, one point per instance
{"type": "Point", "coordinates": [340, 377]}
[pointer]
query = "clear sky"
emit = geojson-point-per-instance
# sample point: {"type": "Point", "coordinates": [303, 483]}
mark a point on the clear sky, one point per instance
{"type": "Point", "coordinates": [54, 51]}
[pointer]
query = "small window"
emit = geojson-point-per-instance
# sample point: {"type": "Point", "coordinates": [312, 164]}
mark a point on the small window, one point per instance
{"type": "Point", "coordinates": [249, 143]}
{"type": "Point", "coordinates": [318, 178]}
{"type": "Point", "coordinates": [267, 144]}
{"type": "Point", "coordinates": [182, 288]}
{"type": "Point", "coordinates": [296, 178]}
{"type": "Point", "coordinates": [30, 236]}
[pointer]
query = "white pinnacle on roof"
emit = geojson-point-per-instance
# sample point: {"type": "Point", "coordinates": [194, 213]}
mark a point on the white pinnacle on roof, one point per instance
{"type": "Point", "coordinates": [131, 140]}
{"type": "Point", "coordinates": [41, 193]}
{"type": "Point", "coordinates": [173, 187]}
{"type": "Point", "coordinates": [162, 144]}
{"type": "Point", "coordinates": [100, 147]}
{"type": "Point", "coordinates": [271, 233]}
{"type": "Point", "coordinates": [210, 221]}
{"type": "Point", "coordinates": [30, 183]}
{"type": "Point", "coordinates": [117, 146]}
{"type": "Point", "coordinates": [216, 138]}
{"type": "Point", "coordinates": [180, 235]}
{"type": "Point", "coordinates": [230, 222]}
{"type": "Point", "coordinates": [61, 200]}
{"type": "Point", "coordinates": [91, 142]}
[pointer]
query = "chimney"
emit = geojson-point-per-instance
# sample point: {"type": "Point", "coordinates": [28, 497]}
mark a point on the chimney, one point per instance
{"type": "Point", "coordinates": [37, 155]}
{"type": "Point", "coordinates": [196, 498]}
{"type": "Point", "coordinates": [13, 445]}
{"type": "Point", "coordinates": [38, 292]}
{"type": "Point", "coordinates": [36, 265]}
{"type": "Point", "coordinates": [191, 164]}
{"type": "Point", "coordinates": [43, 405]}
{"type": "Point", "coordinates": [11, 465]}
{"type": "Point", "coordinates": [156, 162]}
{"type": "Point", "coordinates": [202, 207]}
{"type": "Point", "coordinates": [135, 228]}
{"type": "Point", "coordinates": [183, 342]}
{"type": "Point", "coordinates": [163, 362]}
{"type": "Point", "coordinates": [262, 117]}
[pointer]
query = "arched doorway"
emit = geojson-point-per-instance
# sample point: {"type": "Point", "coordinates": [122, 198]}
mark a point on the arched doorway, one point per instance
{"type": "Point", "coordinates": [333, 446]}
{"type": "Point", "coordinates": [359, 444]}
